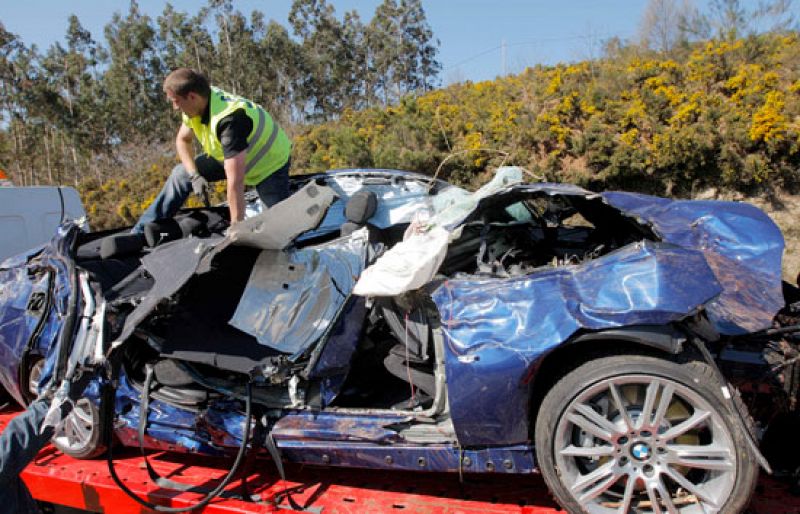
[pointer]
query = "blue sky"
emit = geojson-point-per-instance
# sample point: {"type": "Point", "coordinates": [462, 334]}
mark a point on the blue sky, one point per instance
{"type": "Point", "coordinates": [473, 33]}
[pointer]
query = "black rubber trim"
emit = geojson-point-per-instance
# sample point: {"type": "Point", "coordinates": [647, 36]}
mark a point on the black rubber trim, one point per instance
{"type": "Point", "coordinates": [660, 337]}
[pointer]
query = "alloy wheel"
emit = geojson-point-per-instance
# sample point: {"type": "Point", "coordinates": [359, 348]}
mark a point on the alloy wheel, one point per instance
{"type": "Point", "coordinates": [643, 443]}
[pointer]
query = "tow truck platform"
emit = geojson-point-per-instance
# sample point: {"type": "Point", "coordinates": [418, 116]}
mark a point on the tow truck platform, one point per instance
{"type": "Point", "coordinates": [66, 485]}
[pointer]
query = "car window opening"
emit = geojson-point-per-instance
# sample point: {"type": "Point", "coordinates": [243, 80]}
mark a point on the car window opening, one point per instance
{"type": "Point", "coordinates": [515, 236]}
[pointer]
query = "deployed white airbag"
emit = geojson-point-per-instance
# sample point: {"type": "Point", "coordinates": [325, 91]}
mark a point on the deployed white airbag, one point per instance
{"type": "Point", "coordinates": [409, 265]}
{"type": "Point", "coordinates": [413, 262]}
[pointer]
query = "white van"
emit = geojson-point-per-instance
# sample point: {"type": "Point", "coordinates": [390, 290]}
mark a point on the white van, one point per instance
{"type": "Point", "coordinates": [29, 216]}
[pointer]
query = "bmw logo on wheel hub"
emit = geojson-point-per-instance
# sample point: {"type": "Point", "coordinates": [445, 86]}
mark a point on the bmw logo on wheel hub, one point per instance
{"type": "Point", "coordinates": [640, 451]}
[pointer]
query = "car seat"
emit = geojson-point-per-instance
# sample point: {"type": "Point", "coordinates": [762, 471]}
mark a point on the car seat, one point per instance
{"type": "Point", "coordinates": [358, 210]}
{"type": "Point", "coordinates": [412, 356]}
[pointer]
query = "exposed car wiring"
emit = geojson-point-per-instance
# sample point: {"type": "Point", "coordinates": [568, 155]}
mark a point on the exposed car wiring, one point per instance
{"type": "Point", "coordinates": [109, 392]}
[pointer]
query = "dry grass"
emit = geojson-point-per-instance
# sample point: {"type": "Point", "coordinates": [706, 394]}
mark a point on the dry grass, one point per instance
{"type": "Point", "coordinates": [784, 210]}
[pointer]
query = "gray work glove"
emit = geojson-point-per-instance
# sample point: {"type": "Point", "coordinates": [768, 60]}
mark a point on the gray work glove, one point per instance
{"type": "Point", "coordinates": [199, 185]}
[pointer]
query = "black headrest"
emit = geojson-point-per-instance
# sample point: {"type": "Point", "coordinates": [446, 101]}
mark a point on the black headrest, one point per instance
{"type": "Point", "coordinates": [161, 231]}
{"type": "Point", "coordinates": [192, 224]}
{"type": "Point", "coordinates": [169, 229]}
{"type": "Point", "coordinates": [118, 245]}
{"type": "Point", "coordinates": [361, 207]}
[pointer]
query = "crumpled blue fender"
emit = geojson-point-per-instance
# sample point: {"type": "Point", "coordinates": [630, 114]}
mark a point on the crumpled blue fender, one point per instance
{"type": "Point", "coordinates": [496, 328]}
{"type": "Point", "coordinates": [724, 257]}
{"type": "Point", "coordinates": [36, 270]}
{"type": "Point", "coordinates": [741, 244]}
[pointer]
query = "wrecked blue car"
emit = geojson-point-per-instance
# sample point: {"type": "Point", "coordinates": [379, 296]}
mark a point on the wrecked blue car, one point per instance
{"type": "Point", "coordinates": [636, 351]}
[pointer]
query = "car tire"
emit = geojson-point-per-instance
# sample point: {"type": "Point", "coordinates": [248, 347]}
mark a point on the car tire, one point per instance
{"type": "Point", "coordinates": [599, 452]}
{"type": "Point", "coordinates": [80, 435]}
{"type": "Point", "coordinates": [32, 372]}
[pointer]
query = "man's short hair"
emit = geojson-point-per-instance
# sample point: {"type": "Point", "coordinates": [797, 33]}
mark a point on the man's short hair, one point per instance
{"type": "Point", "coordinates": [183, 81]}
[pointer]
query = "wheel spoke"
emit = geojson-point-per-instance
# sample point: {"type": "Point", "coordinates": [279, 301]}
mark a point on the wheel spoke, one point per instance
{"type": "Point", "coordinates": [693, 489]}
{"type": "Point", "coordinates": [710, 457]}
{"type": "Point", "coordinates": [83, 414]}
{"type": "Point", "coordinates": [621, 407]}
{"type": "Point", "coordinates": [595, 483]}
{"type": "Point", "coordinates": [588, 451]}
{"type": "Point", "coordinates": [601, 422]}
{"type": "Point", "coordinates": [663, 405]}
{"type": "Point", "coordinates": [665, 496]}
{"type": "Point", "coordinates": [589, 427]}
{"type": "Point", "coordinates": [74, 431]}
{"type": "Point", "coordinates": [71, 431]}
{"type": "Point", "coordinates": [651, 494]}
{"type": "Point", "coordinates": [649, 402]}
{"type": "Point", "coordinates": [627, 496]}
{"type": "Point", "coordinates": [77, 429]}
{"type": "Point", "coordinates": [698, 417]}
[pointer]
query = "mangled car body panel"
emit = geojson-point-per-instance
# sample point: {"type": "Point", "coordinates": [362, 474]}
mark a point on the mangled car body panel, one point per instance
{"type": "Point", "coordinates": [304, 289]}
{"type": "Point", "coordinates": [496, 329]}
{"type": "Point", "coordinates": [720, 256]}
{"type": "Point", "coordinates": [34, 305]}
{"type": "Point", "coordinates": [741, 244]}
{"type": "Point", "coordinates": [510, 277]}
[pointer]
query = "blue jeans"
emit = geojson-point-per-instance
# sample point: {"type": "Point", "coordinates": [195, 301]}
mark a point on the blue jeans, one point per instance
{"type": "Point", "coordinates": [178, 187]}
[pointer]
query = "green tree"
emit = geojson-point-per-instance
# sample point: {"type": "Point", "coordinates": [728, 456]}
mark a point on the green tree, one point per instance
{"type": "Point", "coordinates": [282, 74]}
{"type": "Point", "coordinates": [328, 73]}
{"type": "Point", "coordinates": [132, 82]}
{"type": "Point", "coordinates": [420, 48]}
{"type": "Point", "coordinates": [403, 49]}
{"type": "Point", "coordinates": [16, 72]}
{"type": "Point", "coordinates": [184, 41]}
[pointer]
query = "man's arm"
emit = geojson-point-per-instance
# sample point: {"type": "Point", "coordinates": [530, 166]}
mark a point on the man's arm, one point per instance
{"type": "Point", "coordinates": [183, 144]}
{"type": "Point", "coordinates": [234, 173]}
{"type": "Point", "coordinates": [21, 441]}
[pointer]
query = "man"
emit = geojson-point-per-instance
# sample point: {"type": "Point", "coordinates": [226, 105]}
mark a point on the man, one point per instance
{"type": "Point", "coordinates": [241, 143]}
{"type": "Point", "coordinates": [21, 440]}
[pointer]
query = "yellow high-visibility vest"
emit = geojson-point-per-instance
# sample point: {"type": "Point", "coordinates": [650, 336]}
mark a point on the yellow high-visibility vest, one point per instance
{"type": "Point", "coordinates": [268, 145]}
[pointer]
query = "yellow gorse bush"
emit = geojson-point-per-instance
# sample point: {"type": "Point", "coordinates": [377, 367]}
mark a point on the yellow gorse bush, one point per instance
{"type": "Point", "coordinates": [720, 113]}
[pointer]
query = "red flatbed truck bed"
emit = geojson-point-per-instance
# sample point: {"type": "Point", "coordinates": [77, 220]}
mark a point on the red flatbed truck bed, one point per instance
{"type": "Point", "coordinates": [86, 485]}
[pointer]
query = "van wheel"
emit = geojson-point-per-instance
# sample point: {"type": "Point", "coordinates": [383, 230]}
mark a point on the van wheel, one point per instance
{"type": "Point", "coordinates": [80, 435]}
{"type": "Point", "coordinates": [641, 434]}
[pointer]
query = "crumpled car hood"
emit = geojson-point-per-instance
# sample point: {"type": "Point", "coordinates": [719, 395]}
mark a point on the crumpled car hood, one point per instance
{"type": "Point", "coordinates": [644, 283]}
{"type": "Point", "coordinates": [740, 243]}
{"type": "Point", "coordinates": [720, 257]}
